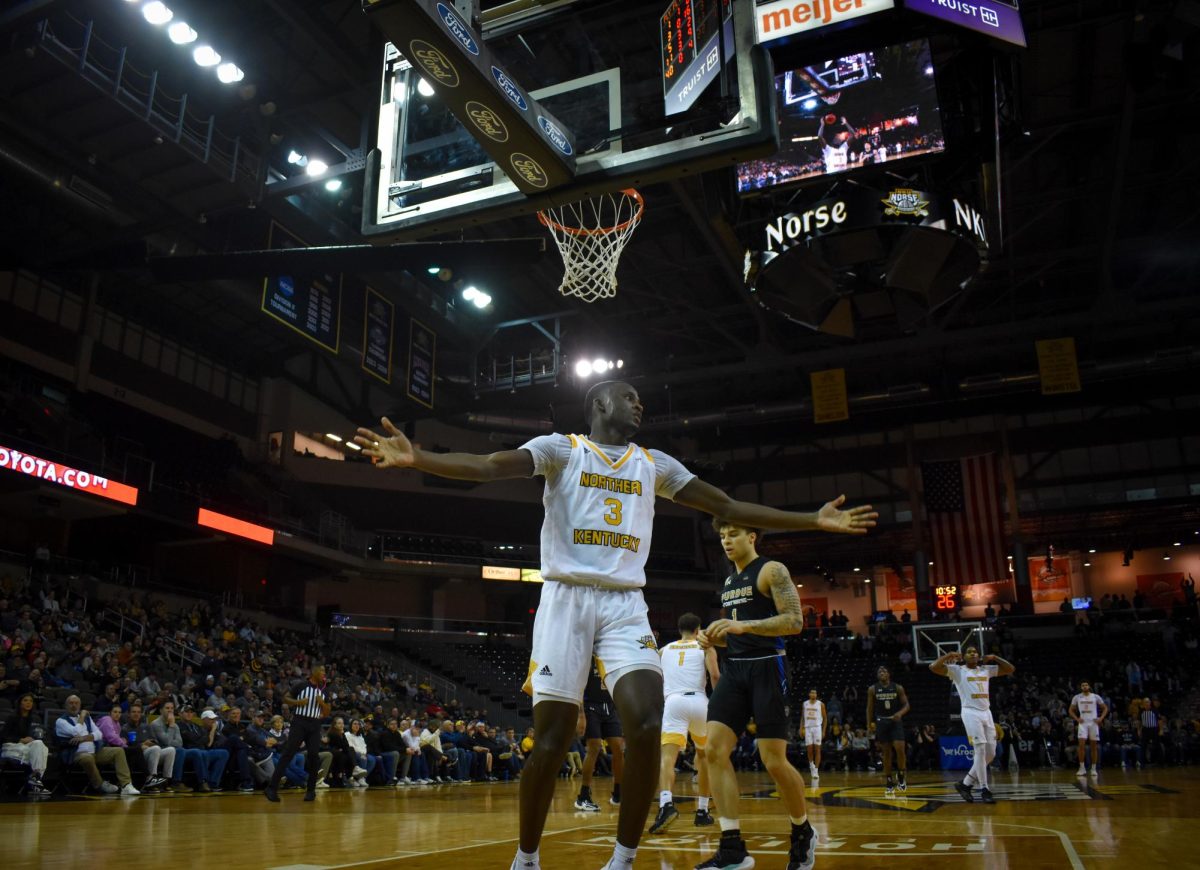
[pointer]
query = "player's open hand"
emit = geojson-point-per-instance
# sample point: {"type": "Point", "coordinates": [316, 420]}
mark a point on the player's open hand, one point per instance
{"type": "Point", "coordinates": [855, 521]}
{"type": "Point", "coordinates": [390, 450]}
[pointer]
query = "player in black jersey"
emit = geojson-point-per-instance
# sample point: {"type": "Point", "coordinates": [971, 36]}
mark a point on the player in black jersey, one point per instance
{"type": "Point", "coordinates": [886, 706]}
{"type": "Point", "coordinates": [602, 724]}
{"type": "Point", "coordinates": [761, 606]}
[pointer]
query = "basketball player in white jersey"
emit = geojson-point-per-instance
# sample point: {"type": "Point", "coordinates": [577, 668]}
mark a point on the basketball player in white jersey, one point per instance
{"type": "Point", "coordinates": [816, 724]}
{"type": "Point", "coordinates": [835, 142]}
{"type": "Point", "coordinates": [685, 665]}
{"type": "Point", "coordinates": [1088, 711]}
{"type": "Point", "coordinates": [971, 680]}
{"type": "Point", "coordinates": [599, 501]}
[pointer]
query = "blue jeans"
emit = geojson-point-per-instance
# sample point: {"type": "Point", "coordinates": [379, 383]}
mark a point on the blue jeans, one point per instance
{"type": "Point", "coordinates": [295, 773]}
{"type": "Point", "coordinates": [390, 760]}
{"type": "Point", "coordinates": [209, 764]}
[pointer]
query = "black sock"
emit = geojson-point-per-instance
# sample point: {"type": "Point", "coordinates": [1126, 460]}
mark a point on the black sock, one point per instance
{"type": "Point", "coordinates": [732, 840]}
{"type": "Point", "coordinates": [585, 792]}
{"type": "Point", "coordinates": [617, 790]}
{"type": "Point", "coordinates": [802, 832]}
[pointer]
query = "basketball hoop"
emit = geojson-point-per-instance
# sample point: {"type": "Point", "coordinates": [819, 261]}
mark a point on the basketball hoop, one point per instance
{"type": "Point", "coordinates": [591, 234]}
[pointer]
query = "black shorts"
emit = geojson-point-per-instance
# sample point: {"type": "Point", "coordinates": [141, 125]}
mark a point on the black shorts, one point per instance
{"type": "Point", "coordinates": [602, 721]}
{"type": "Point", "coordinates": [889, 730]}
{"type": "Point", "coordinates": [752, 689]}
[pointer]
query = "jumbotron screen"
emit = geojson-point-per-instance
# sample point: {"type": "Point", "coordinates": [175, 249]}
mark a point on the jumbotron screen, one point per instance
{"type": "Point", "coordinates": [863, 110]}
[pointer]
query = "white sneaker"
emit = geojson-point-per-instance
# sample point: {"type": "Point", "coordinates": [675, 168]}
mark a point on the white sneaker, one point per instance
{"type": "Point", "coordinates": [1082, 771]}
{"type": "Point", "coordinates": [1094, 773]}
{"type": "Point", "coordinates": [322, 784]}
{"type": "Point", "coordinates": [816, 777]}
{"type": "Point", "coordinates": [359, 771]}
{"type": "Point", "coordinates": [108, 788]}
{"type": "Point", "coordinates": [528, 865]}
{"type": "Point", "coordinates": [130, 791]}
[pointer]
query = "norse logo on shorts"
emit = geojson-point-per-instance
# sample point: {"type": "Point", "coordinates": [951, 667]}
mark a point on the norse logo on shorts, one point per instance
{"type": "Point", "coordinates": [487, 121]}
{"type": "Point", "coordinates": [434, 62]}
{"type": "Point", "coordinates": [529, 169]}
{"type": "Point", "coordinates": [647, 642]}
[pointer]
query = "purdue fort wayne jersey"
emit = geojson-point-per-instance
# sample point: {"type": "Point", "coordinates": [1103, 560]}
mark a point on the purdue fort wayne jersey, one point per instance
{"type": "Point", "coordinates": [683, 667]}
{"type": "Point", "coordinates": [599, 502]}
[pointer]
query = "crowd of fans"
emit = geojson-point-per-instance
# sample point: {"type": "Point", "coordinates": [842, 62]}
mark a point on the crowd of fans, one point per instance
{"type": "Point", "coordinates": [197, 695]}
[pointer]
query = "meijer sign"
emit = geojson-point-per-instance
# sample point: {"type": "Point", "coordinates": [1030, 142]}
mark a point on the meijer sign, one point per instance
{"type": "Point", "coordinates": [789, 17]}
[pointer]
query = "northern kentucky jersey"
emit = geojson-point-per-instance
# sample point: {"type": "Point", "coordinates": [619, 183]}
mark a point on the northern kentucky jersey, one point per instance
{"type": "Point", "coordinates": [742, 601]}
{"type": "Point", "coordinates": [972, 685]}
{"type": "Point", "coordinates": [812, 714]}
{"type": "Point", "coordinates": [1087, 706]}
{"type": "Point", "coordinates": [599, 502]}
{"type": "Point", "coordinates": [683, 667]}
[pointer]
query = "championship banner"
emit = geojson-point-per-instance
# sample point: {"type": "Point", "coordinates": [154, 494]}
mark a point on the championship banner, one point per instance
{"type": "Point", "coordinates": [829, 396]}
{"type": "Point", "coordinates": [1161, 590]}
{"type": "Point", "coordinates": [378, 317]}
{"type": "Point", "coordinates": [1050, 581]}
{"type": "Point", "coordinates": [997, 592]}
{"type": "Point", "coordinates": [1058, 366]}
{"type": "Point", "coordinates": [309, 304]}
{"type": "Point", "coordinates": [901, 591]}
{"type": "Point", "coordinates": [422, 346]}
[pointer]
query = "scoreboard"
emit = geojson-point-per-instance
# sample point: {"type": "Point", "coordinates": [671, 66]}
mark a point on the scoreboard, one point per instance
{"type": "Point", "coordinates": [946, 599]}
{"type": "Point", "coordinates": [691, 52]}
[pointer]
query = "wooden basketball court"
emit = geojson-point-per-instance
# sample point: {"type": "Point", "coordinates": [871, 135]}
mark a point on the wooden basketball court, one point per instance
{"type": "Point", "coordinates": [1044, 819]}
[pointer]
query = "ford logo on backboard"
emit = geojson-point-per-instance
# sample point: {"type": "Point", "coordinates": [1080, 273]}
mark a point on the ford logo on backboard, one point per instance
{"type": "Point", "coordinates": [529, 169]}
{"type": "Point", "coordinates": [487, 121]}
{"type": "Point", "coordinates": [457, 29]}
{"type": "Point", "coordinates": [555, 135]}
{"type": "Point", "coordinates": [434, 62]}
{"type": "Point", "coordinates": [510, 89]}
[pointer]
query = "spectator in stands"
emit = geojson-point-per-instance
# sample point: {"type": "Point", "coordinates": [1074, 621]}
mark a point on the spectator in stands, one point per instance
{"type": "Point", "coordinates": [22, 742]}
{"type": "Point", "coordinates": [123, 735]}
{"type": "Point", "coordinates": [860, 750]}
{"type": "Point", "coordinates": [1128, 744]}
{"type": "Point", "coordinates": [510, 751]}
{"type": "Point", "coordinates": [165, 732]}
{"type": "Point", "coordinates": [385, 769]}
{"type": "Point", "coordinates": [343, 756]}
{"type": "Point", "coordinates": [251, 757]}
{"type": "Point", "coordinates": [82, 745]}
{"type": "Point", "coordinates": [414, 761]}
{"type": "Point", "coordinates": [364, 761]}
{"type": "Point", "coordinates": [435, 757]}
{"type": "Point", "coordinates": [450, 748]}
{"type": "Point", "coordinates": [11, 687]}
{"type": "Point", "coordinates": [926, 755]}
{"type": "Point", "coordinates": [834, 709]}
{"type": "Point", "coordinates": [461, 741]}
{"type": "Point", "coordinates": [295, 773]}
{"type": "Point", "coordinates": [148, 686]}
{"type": "Point", "coordinates": [201, 735]}
{"type": "Point", "coordinates": [574, 763]}
{"type": "Point", "coordinates": [156, 758]}
{"type": "Point", "coordinates": [745, 751]}
{"type": "Point", "coordinates": [484, 751]}
{"type": "Point", "coordinates": [392, 749]}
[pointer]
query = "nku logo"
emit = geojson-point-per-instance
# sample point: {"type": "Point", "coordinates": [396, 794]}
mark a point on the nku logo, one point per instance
{"type": "Point", "coordinates": [457, 28]}
{"type": "Point", "coordinates": [509, 87]}
{"type": "Point", "coordinates": [555, 135]}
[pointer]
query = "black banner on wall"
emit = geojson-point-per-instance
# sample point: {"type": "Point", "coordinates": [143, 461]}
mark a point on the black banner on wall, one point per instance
{"type": "Point", "coordinates": [422, 357]}
{"type": "Point", "coordinates": [379, 316]}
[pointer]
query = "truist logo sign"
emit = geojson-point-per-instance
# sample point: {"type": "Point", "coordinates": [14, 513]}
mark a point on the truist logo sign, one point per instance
{"type": "Point", "coordinates": [510, 89]}
{"type": "Point", "coordinates": [555, 135]}
{"type": "Point", "coordinates": [457, 28]}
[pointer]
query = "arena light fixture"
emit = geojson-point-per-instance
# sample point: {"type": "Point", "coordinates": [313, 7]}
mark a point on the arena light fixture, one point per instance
{"type": "Point", "coordinates": [433, 270]}
{"type": "Point", "coordinates": [865, 579]}
{"type": "Point", "coordinates": [470, 293]}
{"type": "Point", "coordinates": [205, 55]}
{"type": "Point", "coordinates": [1178, 544]}
{"type": "Point", "coordinates": [424, 88]}
{"type": "Point", "coordinates": [333, 185]}
{"type": "Point", "coordinates": [352, 445]}
{"type": "Point", "coordinates": [316, 168]}
{"type": "Point", "coordinates": [1091, 549]}
{"type": "Point", "coordinates": [230, 73]}
{"type": "Point", "coordinates": [332, 437]}
{"type": "Point", "coordinates": [1166, 557]}
{"type": "Point", "coordinates": [157, 13]}
{"type": "Point", "coordinates": [481, 300]}
{"type": "Point", "coordinates": [583, 368]}
{"type": "Point", "coordinates": [296, 158]}
{"type": "Point", "coordinates": [620, 363]}
{"type": "Point", "coordinates": [857, 569]}
{"type": "Point", "coordinates": [181, 33]}
{"type": "Point", "coordinates": [1087, 564]}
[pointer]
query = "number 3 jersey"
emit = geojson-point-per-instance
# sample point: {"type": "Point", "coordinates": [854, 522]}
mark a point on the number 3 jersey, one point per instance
{"type": "Point", "coordinates": [599, 502]}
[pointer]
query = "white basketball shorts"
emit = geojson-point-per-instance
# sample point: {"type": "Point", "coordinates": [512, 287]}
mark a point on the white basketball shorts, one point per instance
{"type": "Point", "coordinates": [812, 735]}
{"type": "Point", "coordinates": [572, 624]}
{"type": "Point", "coordinates": [685, 713]}
{"type": "Point", "coordinates": [1088, 731]}
{"type": "Point", "coordinates": [979, 726]}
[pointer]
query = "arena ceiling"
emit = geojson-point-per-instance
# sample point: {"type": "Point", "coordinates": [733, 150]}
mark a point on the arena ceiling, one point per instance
{"type": "Point", "coordinates": [1100, 235]}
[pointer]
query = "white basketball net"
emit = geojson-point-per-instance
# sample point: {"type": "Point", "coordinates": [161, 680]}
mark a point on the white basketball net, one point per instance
{"type": "Point", "coordinates": [590, 235]}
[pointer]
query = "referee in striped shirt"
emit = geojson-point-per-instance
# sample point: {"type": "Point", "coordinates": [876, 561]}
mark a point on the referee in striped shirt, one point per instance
{"type": "Point", "coordinates": [309, 706]}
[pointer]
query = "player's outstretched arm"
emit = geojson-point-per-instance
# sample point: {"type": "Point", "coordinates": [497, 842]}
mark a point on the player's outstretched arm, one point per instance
{"type": "Point", "coordinates": [712, 666]}
{"type": "Point", "coordinates": [939, 667]}
{"type": "Point", "coordinates": [830, 518]}
{"type": "Point", "coordinates": [394, 450]}
{"type": "Point", "coordinates": [904, 708]}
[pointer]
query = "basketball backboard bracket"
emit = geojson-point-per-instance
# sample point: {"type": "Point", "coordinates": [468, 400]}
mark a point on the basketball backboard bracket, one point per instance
{"type": "Point", "coordinates": [932, 640]}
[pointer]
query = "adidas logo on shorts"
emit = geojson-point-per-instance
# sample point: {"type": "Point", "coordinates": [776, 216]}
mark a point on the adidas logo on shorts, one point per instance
{"type": "Point", "coordinates": [545, 671]}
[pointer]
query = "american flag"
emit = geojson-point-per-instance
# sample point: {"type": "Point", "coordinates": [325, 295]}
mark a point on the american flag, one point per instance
{"type": "Point", "coordinates": [962, 500]}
